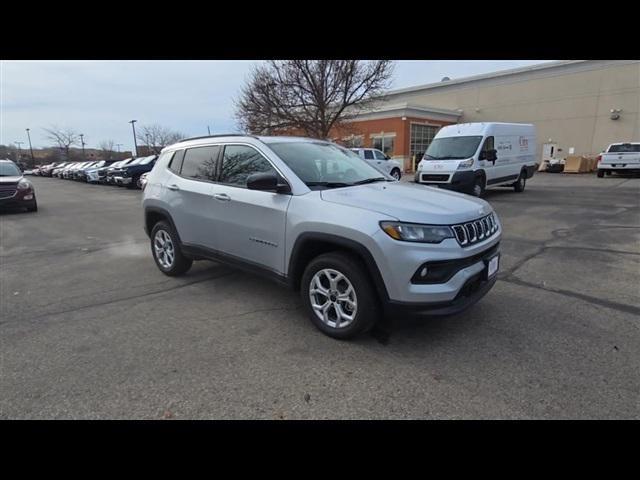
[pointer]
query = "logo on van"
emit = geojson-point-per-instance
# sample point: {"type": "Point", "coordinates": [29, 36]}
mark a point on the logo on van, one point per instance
{"type": "Point", "coordinates": [504, 146]}
{"type": "Point", "coordinates": [524, 143]}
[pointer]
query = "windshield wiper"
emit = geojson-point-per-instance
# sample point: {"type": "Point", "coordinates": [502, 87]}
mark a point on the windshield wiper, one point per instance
{"type": "Point", "coordinates": [328, 184]}
{"type": "Point", "coordinates": [371, 180]}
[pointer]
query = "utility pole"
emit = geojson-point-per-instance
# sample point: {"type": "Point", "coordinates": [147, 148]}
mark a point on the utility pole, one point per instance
{"type": "Point", "coordinates": [135, 142]}
{"type": "Point", "coordinates": [83, 144]}
{"type": "Point", "coordinates": [33, 162]}
{"type": "Point", "coordinates": [19, 150]}
{"type": "Point", "coordinates": [118, 145]}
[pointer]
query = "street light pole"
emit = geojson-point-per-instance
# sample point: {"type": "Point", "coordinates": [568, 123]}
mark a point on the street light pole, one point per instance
{"type": "Point", "coordinates": [135, 142]}
{"type": "Point", "coordinates": [33, 162]}
{"type": "Point", "coordinates": [118, 145]}
{"type": "Point", "coordinates": [19, 150]}
{"type": "Point", "coordinates": [82, 142]}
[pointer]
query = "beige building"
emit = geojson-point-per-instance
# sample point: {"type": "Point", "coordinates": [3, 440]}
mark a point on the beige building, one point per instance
{"type": "Point", "coordinates": [578, 106]}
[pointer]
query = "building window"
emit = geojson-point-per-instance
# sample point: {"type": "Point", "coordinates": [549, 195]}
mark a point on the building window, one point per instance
{"type": "Point", "coordinates": [354, 141]}
{"type": "Point", "coordinates": [421, 137]}
{"type": "Point", "coordinates": [385, 142]}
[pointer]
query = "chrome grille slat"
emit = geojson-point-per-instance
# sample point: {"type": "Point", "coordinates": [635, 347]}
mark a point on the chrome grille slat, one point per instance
{"type": "Point", "coordinates": [475, 231]}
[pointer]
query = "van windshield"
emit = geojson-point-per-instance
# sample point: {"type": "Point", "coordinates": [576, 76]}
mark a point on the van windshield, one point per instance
{"type": "Point", "coordinates": [452, 148]}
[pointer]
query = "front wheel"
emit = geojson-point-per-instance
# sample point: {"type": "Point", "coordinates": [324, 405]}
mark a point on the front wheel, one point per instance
{"type": "Point", "coordinates": [34, 206]}
{"type": "Point", "coordinates": [395, 173]}
{"type": "Point", "coordinates": [166, 250]}
{"type": "Point", "coordinates": [478, 187]}
{"type": "Point", "coordinates": [520, 183]}
{"type": "Point", "coordinates": [338, 295]}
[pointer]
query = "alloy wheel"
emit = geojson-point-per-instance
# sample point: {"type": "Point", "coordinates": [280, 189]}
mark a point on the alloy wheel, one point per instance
{"type": "Point", "coordinates": [333, 298]}
{"type": "Point", "coordinates": [163, 246]}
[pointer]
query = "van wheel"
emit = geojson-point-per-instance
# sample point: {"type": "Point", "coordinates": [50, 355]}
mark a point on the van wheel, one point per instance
{"type": "Point", "coordinates": [165, 249]}
{"type": "Point", "coordinates": [520, 183]}
{"type": "Point", "coordinates": [478, 187]}
{"type": "Point", "coordinates": [339, 296]}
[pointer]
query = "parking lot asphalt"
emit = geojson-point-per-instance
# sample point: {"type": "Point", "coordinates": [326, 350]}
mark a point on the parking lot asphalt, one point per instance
{"type": "Point", "coordinates": [90, 328]}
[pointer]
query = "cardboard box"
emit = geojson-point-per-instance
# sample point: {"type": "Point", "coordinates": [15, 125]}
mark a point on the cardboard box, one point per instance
{"type": "Point", "coordinates": [577, 164]}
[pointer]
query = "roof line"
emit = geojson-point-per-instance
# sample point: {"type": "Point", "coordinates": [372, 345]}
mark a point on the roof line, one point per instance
{"type": "Point", "coordinates": [483, 76]}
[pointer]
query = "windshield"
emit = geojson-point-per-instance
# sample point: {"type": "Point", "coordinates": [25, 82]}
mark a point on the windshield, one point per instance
{"type": "Point", "coordinates": [452, 148]}
{"type": "Point", "coordinates": [325, 165]}
{"type": "Point", "coordinates": [9, 170]}
{"type": "Point", "coordinates": [147, 160]}
{"type": "Point", "coordinates": [625, 148]}
{"type": "Point", "coordinates": [135, 162]}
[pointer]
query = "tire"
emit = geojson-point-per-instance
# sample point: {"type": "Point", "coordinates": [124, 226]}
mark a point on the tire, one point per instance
{"type": "Point", "coordinates": [478, 188]}
{"type": "Point", "coordinates": [521, 183]}
{"type": "Point", "coordinates": [179, 264]}
{"type": "Point", "coordinates": [608, 173]}
{"type": "Point", "coordinates": [325, 269]}
{"type": "Point", "coordinates": [34, 206]}
{"type": "Point", "coordinates": [600, 173]}
{"type": "Point", "coordinates": [134, 183]}
{"type": "Point", "coordinates": [395, 173]}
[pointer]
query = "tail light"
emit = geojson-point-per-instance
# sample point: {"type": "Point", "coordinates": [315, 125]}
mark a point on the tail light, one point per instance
{"type": "Point", "coordinates": [598, 158]}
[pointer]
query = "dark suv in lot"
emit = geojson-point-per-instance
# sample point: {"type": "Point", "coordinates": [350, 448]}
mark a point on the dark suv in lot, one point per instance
{"type": "Point", "coordinates": [15, 190]}
{"type": "Point", "coordinates": [130, 174]}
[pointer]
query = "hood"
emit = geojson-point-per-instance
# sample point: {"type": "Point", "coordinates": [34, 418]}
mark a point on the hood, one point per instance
{"type": "Point", "coordinates": [14, 179]}
{"type": "Point", "coordinates": [410, 202]}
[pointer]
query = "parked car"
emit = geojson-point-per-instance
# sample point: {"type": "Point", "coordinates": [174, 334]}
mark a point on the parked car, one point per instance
{"type": "Point", "coordinates": [71, 173]}
{"type": "Point", "coordinates": [109, 178]}
{"type": "Point", "coordinates": [129, 175]}
{"type": "Point", "coordinates": [63, 171]}
{"type": "Point", "coordinates": [313, 215]}
{"type": "Point", "coordinates": [470, 157]}
{"type": "Point", "coordinates": [380, 161]}
{"type": "Point", "coordinates": [81, 173]}
{"type": "Point", "coordinates": [91, 174]}
{"type": "Point", "coordinates": [58, 168]}
{"type": "Point", "coordinates": [15, 190]}
{"type": "Point", "coordinates": [619, 158]}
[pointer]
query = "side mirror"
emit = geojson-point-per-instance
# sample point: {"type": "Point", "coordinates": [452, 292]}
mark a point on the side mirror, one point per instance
{"type": "Point", "coordinates": [387, 157]}
{"type": "Point", "coordinates": [492, 155]}
{"type": "Point", "coordinates": [269, 182]}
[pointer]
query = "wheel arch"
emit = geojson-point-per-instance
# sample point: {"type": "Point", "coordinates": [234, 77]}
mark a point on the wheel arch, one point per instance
{"type": "Point", "coordinates": [311, 244]}
{"type": "Point", "coordinates": [153, 215]}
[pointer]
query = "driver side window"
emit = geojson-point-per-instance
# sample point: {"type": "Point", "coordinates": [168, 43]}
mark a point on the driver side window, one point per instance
{"type": "Point", "coordinates": [380, 155]}
{"type": "Point", "coordinates": [488, 144]}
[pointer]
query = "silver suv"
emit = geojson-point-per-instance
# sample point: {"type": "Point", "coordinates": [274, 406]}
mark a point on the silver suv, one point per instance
{"type": "Point", "coordinates": [313, 215]}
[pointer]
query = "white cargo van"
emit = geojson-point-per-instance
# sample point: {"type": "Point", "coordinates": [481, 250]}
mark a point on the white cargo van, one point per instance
{"type": "Point", "coordinates": [469, 157]}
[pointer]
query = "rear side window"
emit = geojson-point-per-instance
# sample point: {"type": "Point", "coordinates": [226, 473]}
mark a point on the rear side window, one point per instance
{"type": "Point", "coordinates": [200, 163]}
{"type": "Point", "coordinates": [176, 162]}
{"type": "Point", "coordinates": [368, 155]}
{"type": "Point", "coordinates": [240, 161]}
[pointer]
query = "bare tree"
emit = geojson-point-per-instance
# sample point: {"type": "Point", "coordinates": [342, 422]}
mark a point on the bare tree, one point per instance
{"type": "Point", "coordinates": [63, 137]}
{"type": "Point", "coordinates": [107, 149]}
{"type": "Point", "coordinates": [312, 96]}
{"type": "Point", "coordinates": [156, 137]}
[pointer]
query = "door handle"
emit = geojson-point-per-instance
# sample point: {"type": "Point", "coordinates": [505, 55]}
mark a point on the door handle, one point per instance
{"type": "Point", "coordinates": [223, 197]}
{"type": "Point", "coordinates": [173, 186]}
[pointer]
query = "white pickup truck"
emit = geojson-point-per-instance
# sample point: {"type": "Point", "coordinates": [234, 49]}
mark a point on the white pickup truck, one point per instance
{"type": "Point", "coordinates": [620, 158]}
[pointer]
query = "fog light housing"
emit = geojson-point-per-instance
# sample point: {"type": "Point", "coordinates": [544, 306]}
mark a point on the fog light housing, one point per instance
{"type": "Point", "coordinates": [28, 197]}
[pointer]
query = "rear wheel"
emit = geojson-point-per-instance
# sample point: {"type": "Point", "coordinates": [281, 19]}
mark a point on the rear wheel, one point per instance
{"type": "Point", "coordinates": [166, 250]}
{"type": "Point", "coordinates": [600, 173]}
{"type": "Point", "coordinates": [339, 296]}
{"type": "Point", "coordinates": [520, 183]}
{"type": "Point", "coordinates": [135, 182]}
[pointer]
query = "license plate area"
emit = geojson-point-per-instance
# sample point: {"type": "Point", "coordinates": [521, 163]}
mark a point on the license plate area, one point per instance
{"type": "Point", "coordinates": [492, 266]}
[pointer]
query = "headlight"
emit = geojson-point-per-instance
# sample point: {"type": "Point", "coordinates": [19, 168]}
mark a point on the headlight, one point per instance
{"type": "Point", "coordinates": [465, 164]}
{"type": "Point", "coordinates": [412, 232]}
{"type": "Point", "coordinates": [23, 185]}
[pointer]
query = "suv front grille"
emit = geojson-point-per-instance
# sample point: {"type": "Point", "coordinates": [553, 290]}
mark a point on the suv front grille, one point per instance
{"type": "Point", "coordinates": [476, 231]}
{"type": "Point", "coordinates": [7, 191]}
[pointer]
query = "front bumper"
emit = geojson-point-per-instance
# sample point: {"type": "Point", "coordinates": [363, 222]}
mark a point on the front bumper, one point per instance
{"type": "Point", "coordinates": [398, 263]}
{"type": "Point", "coordinates": [21, 198]}
{"type": "Point", "coordinates": [123, 180]}
{"type": "Point", "coordinates": [462, 181]}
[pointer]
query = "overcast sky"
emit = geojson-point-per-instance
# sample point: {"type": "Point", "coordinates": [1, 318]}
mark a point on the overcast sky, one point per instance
{"type": "Point", "coordinates": [98, 98]}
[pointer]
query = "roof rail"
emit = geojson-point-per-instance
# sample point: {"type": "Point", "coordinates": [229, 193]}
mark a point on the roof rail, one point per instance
{"type": "Point", "coordinates": [218, 135]}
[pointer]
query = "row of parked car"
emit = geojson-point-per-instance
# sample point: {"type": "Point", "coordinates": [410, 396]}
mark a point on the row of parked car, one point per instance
{"type": "Point", "coordinates": [130, 173]}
